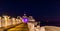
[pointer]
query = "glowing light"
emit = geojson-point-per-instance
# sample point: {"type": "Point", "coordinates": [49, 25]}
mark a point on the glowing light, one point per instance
{"type": "Point", "coordinates": [0, 22]}
{"type": "Point", "coordinates": [14, 21]}
{"type": "Point", "coordinates": [31, 26]}
{"type": "Point", "coordinates": [17, 21]}
{"type": "Point", "coordinates": [25, 20]}
{"type": "Point", "coordinates": [6, 20]}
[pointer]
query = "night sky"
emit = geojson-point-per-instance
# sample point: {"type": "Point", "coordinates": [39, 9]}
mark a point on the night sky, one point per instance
{"type": "Point", "coordinates": [48, 10]}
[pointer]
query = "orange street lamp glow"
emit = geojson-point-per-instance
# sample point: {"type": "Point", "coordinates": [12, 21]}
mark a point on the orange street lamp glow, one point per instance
{"type": "Point", "coordinates": [14, 21]}
{"type": "Point", "coordinates": [5, 19]}
{"type": "Point", "coordinates": [0, 22]}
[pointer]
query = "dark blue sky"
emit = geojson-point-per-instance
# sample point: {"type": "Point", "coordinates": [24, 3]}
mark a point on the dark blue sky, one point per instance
{"type": "Point", "coordinates": [36, 8]}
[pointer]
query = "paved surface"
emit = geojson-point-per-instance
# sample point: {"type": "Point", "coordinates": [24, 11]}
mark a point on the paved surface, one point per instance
{"type": "Point", "coordinates": [5, 28]}
{"type": "Point", "coordinates": [24, 27]}
{"type": "Point", "coordinates": [21, 27]}
{"type": "Point", "coordinates": [52, 28]}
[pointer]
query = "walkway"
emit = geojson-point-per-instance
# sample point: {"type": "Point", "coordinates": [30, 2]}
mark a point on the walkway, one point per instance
{"type": "Point", "coordinates": [21, 27]}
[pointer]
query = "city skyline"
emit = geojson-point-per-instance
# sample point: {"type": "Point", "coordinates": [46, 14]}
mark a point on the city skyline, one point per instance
{"type": "Point", "coordinates": [40, 9]}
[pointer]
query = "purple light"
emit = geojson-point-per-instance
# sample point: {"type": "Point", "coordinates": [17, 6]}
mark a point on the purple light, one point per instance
{"type": "Point", "coordinates": [25, 20]}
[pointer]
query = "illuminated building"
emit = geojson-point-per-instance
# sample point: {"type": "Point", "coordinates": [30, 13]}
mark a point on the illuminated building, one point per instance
{"type": "Point", "coordinates": [31, 26]}
{"type": "Point", "coordinates": [9, 20]}
{"type": "Point", "coordinates": [0, 22]}
{"type": "Point", "coordinates": [24, 19]}
{"type": "Point", "coordinates": [13, 21]}
{"type": "Point", "coordinates": [5, 20]}
{"type": "Point", "coordinates": [31, 19]}
{"type": "Point", "coordinates": [19, 19]}
{"type": "Point", "coordinates": [31, 23]}
{"type": "Point", "coordinates": [42, 28]}
{"type": "Point", "coordinates": [37, 28]}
